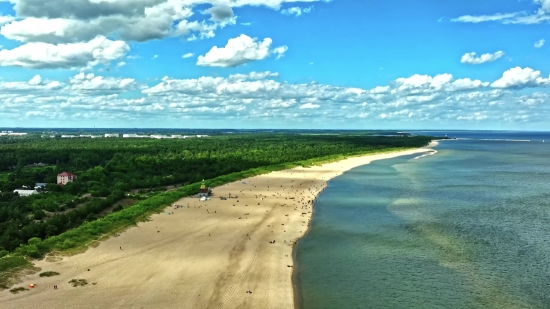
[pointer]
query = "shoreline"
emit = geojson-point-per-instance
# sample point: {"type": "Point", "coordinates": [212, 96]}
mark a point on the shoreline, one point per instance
{"type": "Point", "coordinates": [199, 252]}
{"type": "Point", "coordinates": [390, 155]}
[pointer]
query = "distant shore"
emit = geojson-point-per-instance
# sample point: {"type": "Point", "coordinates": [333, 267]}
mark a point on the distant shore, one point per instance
{"type": "Point", "coordinates": [199, 254]}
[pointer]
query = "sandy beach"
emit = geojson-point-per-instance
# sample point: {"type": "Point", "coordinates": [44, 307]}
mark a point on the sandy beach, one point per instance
{"type": "Point", "coordinates": [200, 255]}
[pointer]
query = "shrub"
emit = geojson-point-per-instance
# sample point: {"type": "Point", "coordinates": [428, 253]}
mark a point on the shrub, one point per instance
{"type": "Point", "coordinates": [17, 290]}
{"type": "Point", "coordinates": [49, 274]}
{"type": "Point", "coordinates": [78, 282]}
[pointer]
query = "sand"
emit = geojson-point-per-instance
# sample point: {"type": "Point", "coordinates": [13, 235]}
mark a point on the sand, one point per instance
{"type": "Point", "coordinates": [204, 255]}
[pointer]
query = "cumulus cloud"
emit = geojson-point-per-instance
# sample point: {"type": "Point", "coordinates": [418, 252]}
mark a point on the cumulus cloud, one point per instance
{"type": "Point", "coordinates": [90, 82]}
{"type": "Point", "coordinates": [67, 56]}
{"type": "Point", "coordinates": [440, 99]}
{"type": "Point", "coordinates": [540, 43]}
{"type": "Point", "coordinates": [4, 19]}
{"type": "Point", "coordinates": [472, 58]}
{"type": "Point", "coordinates": [240, 50]}
{"type": "Point", "coordinates": [130, 20]}
{"type": "Point", "coordinates": [297, 11]}
{"type": "Point", "coordinates": [253, 75]}
{"type": "Point", "coordinates": [220, 13]}
{"type": "Point", "coordinates": [521, 78]}
{"type": "Point", "coordinates": [425, 84]}
{"type": "Point", "coordinates": [188, 55]}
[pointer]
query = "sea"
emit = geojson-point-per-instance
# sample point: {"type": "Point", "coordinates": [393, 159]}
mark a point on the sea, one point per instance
{"type": "Point", "coordinates": [464, 226]}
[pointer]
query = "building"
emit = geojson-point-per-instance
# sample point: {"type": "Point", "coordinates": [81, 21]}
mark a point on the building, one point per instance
{"type": "Point", "coordinates": [65, 177]}
{"type": "Point", "coordinates": [25, 192]}
{"type": "Point", "coordinates": [39, 185]}
{"type": "Point", "coordinates": [112, 135]}
{"type": "Point", "coordinates": [204, 191]}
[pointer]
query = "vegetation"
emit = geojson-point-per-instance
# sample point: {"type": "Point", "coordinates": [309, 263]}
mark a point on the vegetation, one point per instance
{"type": "Point", "coordinates": [49, 274]}
{"type": "Point", "coordinates": [78, 282]}
{"type": "Point", "coordinates": [10, 265]}
{"type": "Point", "coordinates": [17, 290]}
{"type": "Point", "coordinates": [112, 171]}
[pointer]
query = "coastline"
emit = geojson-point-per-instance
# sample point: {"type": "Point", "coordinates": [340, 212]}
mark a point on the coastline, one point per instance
{"type": "Point", "coordinates": [199, 253]}
{"type": "Point", "coordinates": [368, 159]}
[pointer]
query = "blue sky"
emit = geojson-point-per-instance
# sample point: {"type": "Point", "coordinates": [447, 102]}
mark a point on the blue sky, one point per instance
{"type": "Point", "coordinates": [275, 64]}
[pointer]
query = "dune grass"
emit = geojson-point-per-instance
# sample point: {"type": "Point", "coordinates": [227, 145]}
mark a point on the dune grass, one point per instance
{"type": "Point", "coordinates": [49, 274]}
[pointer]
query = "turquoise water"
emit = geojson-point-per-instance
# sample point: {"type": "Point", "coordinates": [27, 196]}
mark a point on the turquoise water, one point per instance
{"type": "Point", "coordinates": [468, 227]}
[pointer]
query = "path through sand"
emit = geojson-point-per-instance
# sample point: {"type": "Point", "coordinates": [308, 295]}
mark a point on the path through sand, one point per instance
{"type": "Point", "coordinates": [202, 255]}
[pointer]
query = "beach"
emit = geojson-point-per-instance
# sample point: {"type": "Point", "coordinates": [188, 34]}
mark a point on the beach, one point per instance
{"type": "Point", "coordinates": [220, 253]}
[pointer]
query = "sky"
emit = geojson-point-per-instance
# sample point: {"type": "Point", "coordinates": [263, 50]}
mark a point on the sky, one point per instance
{"type": "Point", "coordinates": [297, 64]}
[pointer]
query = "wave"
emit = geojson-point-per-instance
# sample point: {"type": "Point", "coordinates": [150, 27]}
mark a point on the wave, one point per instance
{"type": "Point", "coordinates": [494, 139]}
{"type": "Point", "coordinates": [430, 153]}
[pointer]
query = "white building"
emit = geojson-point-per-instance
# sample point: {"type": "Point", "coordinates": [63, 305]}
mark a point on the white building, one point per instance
{"type": "Point", "coordinates": [68, 136]}
{"type": "Point", "coordinates": [25, 192]}
{"type": "Point", "coordinates": [133, 136]}
{"type": "Point", "coordinates": [112, 135]}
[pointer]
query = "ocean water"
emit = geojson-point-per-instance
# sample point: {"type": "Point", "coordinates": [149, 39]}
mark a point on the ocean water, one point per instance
{"type": "Point", "coordinates": [466, 227]}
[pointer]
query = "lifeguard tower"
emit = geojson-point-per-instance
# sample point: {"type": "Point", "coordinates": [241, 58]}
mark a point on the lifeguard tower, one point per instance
{"type": "Point", "coordinates": [204, 191]}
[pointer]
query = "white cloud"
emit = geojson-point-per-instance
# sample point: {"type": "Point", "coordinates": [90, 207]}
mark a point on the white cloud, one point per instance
{"type": "Point", "coordinates": [540, 43]}
{"type": "Point", "coordinates": [4, 19]}
{"type": "Point", "coordinates": [297, 11]}
{"type": "Point", "coordinates": [525, 18]}
{"type": "Point", "coordinates": [238, 51]}
{"type": "Point", "coordinates": [545, 4]}
{"type": "Point", "coordinates": [425, 84]}
{"type": "Point", "coordinates": [521, 78]}
{"type": "Point", "coordinates": [67, 56]}
{"type": "Point", "coordinates": [90, 82]}
{"type": "Point", "coordinates": [155, 57]}
{"type": "Point", "coordinates": [253, 75]}
{"type": "Point", "coordinates": [485, 18]}
{"type": "Point", "coordinates": [129, 20]}
{"type": "Point", "coordinates": [309, 106]}
{"type": "Point", "coordinates": [188, 55]}
{"type": "Point", "coordinates": [472, 58]}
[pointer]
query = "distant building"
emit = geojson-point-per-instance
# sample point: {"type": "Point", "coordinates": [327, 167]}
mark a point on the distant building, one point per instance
{"type": "Point", "coordinates": [112, 135]}
{"type": "Point", "coordinates": [39, 185]}
{"type": "Point", "coordinates": [65, 177]}
{"type": "Point", "coordinates": [25, 192]}
{"type": "Point", "coordinates": [133, 136]}
{"type": "Point", "coordinates": [69, 136]}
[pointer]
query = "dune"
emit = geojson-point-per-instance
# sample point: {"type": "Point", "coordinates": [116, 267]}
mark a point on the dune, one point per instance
{"type": "Point", "coordinates": [207, 254]}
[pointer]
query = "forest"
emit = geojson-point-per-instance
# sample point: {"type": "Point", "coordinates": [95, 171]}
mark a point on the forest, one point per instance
{"type": "Point", "coordinates": [114, 174]}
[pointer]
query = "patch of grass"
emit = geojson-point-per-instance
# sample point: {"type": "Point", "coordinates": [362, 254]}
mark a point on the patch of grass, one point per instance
{"type": "Point", "coordinates": [17, 290]}
{"type": "Point", "coordinates": [78, 282]}
{"type": "Point", "coordinates": [10, 268]}
{"type": "Point", "coordinates": [49, 274]}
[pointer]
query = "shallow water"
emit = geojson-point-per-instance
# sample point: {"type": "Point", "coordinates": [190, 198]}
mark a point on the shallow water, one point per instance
{"type": "Point", "coordinates": [468, 227]}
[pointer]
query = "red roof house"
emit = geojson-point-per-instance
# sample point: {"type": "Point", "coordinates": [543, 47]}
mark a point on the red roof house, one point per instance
{"type": "Point", "coordinates": [65, 177]}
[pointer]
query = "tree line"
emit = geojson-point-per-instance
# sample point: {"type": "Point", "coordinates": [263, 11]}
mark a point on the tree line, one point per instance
{"type": "Point", "coordinates": [108, 169]}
